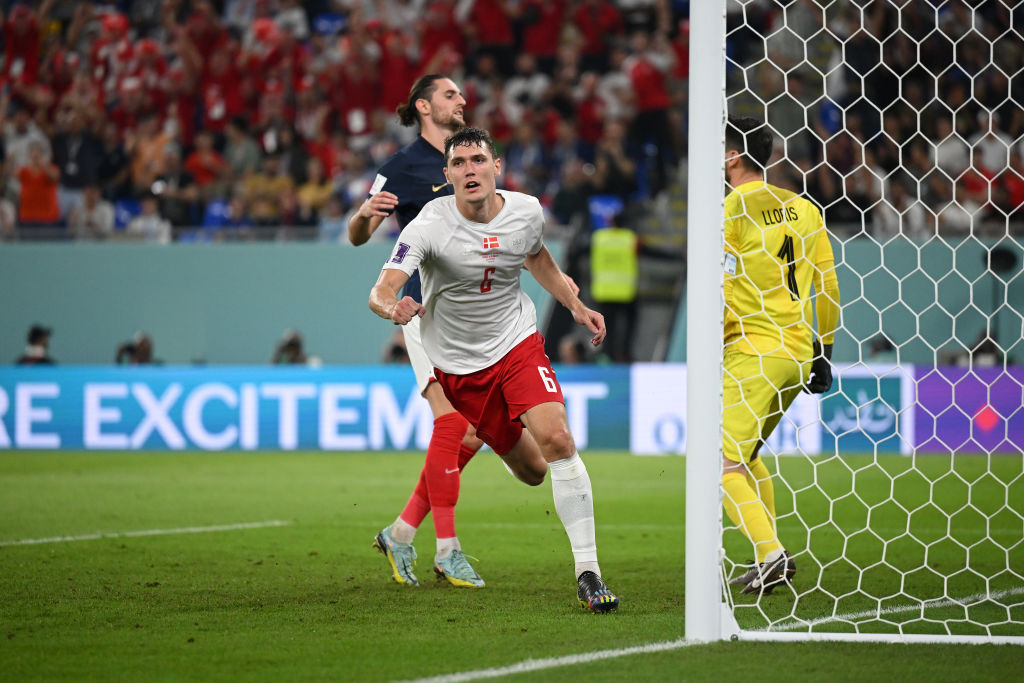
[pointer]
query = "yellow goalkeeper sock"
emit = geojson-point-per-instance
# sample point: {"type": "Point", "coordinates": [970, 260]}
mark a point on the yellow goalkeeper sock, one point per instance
{"type": "Point", "coordinates": [760, 480]}
{"type": "Point", "coordinates": [747, 512]}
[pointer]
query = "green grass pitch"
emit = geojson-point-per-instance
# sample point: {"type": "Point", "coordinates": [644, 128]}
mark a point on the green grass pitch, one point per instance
{"type": "Point", "coordinates": [312, 601]}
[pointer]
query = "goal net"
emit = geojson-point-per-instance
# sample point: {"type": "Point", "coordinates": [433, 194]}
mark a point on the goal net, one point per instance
{"type": "Point", "coordinates": [899, 492]}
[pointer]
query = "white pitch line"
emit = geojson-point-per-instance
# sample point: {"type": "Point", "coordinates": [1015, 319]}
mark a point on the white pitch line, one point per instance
{"type": "Point", "coordinates": [896, 609]}
{"type": "Point", "coordinates": [529, 665]}
{"type": "Point", "coordinates": [553, 662]}
{"type": "Point", "coordinates": [148, 532]}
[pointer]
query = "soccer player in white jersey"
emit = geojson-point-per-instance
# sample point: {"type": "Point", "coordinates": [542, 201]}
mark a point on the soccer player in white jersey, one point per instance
{"type": "Point", "coordinates": [480, 331]}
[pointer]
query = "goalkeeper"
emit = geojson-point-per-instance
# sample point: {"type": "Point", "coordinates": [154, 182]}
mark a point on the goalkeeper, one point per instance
{"type": "Point", "coordinates": [776, 249]}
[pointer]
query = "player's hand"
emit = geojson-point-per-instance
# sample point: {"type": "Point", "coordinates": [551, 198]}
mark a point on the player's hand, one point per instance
{"type": "Point", "coordinates": [593, 321]}
{"type": "Point", "coordinates": [405, 310]}
{"type": "Point", "coordinates": [821, 371]}
{"type": "Point", "coordinates": [380, 204]}
{"type": "Point", "coordinates": [572, 284]}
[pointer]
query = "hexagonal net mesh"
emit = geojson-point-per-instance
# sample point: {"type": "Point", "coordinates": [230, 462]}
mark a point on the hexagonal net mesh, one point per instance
{"type": "Point", "coordinates": [899, 493]}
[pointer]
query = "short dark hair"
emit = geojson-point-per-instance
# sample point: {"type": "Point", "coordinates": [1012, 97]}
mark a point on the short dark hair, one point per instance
{"type": "Point", "coordinates": [38, 333]}
{"type": "Point", "coordinates": [752, 138]}
{"type": "Point", "coordinates": [423, 89]}
{"type": "Point", "coordinates": [469, 137]}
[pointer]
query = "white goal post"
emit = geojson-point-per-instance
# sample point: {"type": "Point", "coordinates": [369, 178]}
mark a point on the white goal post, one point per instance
{"type": "Point", "coordinates": [900, 492]}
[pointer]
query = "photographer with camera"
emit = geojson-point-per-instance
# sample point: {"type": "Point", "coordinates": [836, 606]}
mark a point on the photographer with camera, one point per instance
{"type": "Point", "coordinates": [137, 351]}
{"type": "Point", "coordinates": [289, 350]}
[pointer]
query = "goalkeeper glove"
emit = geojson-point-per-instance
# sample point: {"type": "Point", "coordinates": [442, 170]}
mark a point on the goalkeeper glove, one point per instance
{"type": "Point", "coordinates": [821, 370]}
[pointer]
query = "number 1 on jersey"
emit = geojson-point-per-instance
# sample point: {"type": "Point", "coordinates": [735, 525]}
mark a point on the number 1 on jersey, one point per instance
{"type": "Point", "coordinates": [786, 255]}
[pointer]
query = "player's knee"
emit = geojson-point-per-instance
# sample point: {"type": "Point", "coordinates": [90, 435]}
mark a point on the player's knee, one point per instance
{"type": "Point", "coordinates": [558, 444]}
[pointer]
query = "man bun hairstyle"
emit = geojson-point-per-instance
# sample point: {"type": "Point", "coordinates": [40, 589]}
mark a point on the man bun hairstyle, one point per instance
{"type": "Point", "coordinates": [475, 137]}
{"type": "Point", "coordinates": [422, 89]}
{"type": "Point", "coordinates": [752, 138]}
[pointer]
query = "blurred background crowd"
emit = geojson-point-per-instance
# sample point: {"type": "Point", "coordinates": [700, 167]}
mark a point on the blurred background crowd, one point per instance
{"type": "Point", "coordinates": [899, 120]}
{"type": "Point", "coordinates": [200, 119]}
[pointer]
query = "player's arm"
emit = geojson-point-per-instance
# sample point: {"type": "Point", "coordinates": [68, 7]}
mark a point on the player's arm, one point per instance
{"type": "Point", "coordinates": [565, 276]}
{"type": "Point", "coordinates": [826, 285]}
{"type": "Point", "coordinates": [369, 216]}
{"type": "Point", "coordinates": [384, 299]}
{"type": "Point", "coordinates": [547, 273]}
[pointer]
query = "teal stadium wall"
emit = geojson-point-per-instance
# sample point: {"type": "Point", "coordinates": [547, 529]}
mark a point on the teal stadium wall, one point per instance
{"type": "Point", "coordinates": [922, 296]}
{"type": "Point", "coordinates": [228, 304]}
{"type": "Point", "coordinates": [214, 304]}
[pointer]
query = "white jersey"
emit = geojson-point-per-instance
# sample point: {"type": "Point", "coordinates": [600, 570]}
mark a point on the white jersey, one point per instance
{"type": "Point", "coordinates": [476, 310]}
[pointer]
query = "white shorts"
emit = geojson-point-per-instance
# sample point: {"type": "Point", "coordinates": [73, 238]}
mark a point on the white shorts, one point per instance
{"type": "Point", "coordinates": [421, 365]}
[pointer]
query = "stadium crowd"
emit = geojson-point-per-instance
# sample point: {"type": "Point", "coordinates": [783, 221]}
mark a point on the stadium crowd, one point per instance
{"type": "Point", "coordinates": [917, 104]}
{"type": "Point", "coordinates": [234, 119]}
{"type": "Point", "coordinates": [209, 120]}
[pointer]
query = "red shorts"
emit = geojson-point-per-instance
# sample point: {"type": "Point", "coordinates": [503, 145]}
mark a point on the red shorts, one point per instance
{"type": "Point", "coordinates": [492, 399]}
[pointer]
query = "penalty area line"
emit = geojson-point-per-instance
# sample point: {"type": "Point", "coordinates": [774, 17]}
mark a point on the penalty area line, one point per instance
{"type": "Point", "coordinates": [148, 532]}
{"type": "Point", "coordinates": [529, 665]}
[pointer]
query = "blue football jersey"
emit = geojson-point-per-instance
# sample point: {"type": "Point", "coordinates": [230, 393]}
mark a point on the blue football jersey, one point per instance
{"type": "Point", "coordinates": [415, 174]}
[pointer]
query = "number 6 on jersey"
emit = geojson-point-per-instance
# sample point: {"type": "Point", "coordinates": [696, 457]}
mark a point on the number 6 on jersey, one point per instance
{"type": "Point", "coordinates": [549, 381]}
{"type": "Point", "coordinates": [485, 285]}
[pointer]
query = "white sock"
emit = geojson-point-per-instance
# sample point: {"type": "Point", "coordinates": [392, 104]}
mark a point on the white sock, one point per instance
{"type": "Point", "coordinates": [445, 546]}
{"type": "Point", "coordinates": [574, 502]}
{"type": "Point", "coordinates": [402, 531]}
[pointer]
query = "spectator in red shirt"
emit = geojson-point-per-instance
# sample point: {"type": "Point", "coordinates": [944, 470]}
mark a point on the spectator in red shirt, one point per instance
{"type": "Point", "coordinates": [439, 31]}
{"type": "Point", "coordinates": [150, 67]}
{"type": "Point", "coordinates": [21, 44]}
{"type": "Point", "coordinates": [543, 21]}
{"type": "Point", "coordinates": [180, 93]}
{"type": "Point", "coordinates": [591, 109]}
{"type": "Point", "coordinates": [59, 71]}
{"type": "Point", "coordinates": [205, 30]}
{"type": "Point", "coordinates": [207, 167]}
{"type": "Point", "coordinates": [111, 54]}
{"type": "Point", "coordinates": [357, 84]}
{"type": "Point", "coordinates": [396, 62]}
{"type": "Point", "coordinates": [681, 46]}
{"type": "Point", "coordinates": [600, 22]}
{"type": "Point", "coordinates": [221, 92]}
{"type": "Point", "coordinates": [492, 32]}
{"type": "Point", "coordinates": [38, 197]}
{"type": "Point", "coordinates": [647, 67]}
{"type": "Point", "coordinates": [294, 60]}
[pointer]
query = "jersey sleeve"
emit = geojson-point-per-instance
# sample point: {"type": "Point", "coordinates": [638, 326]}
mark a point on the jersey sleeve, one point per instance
{"type": "Point", "coordinates": [387, 178]}
{"type": "Point", "coordinates": [410, 249]}
{"type": "Point", "coordinates": [538, 235]}
{"type": "Point", "coordinates": [826, 284]}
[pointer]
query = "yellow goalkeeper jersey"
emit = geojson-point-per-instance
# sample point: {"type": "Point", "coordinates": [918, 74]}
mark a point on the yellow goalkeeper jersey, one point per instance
{"type": "Point", "coordinates": [777, 248]}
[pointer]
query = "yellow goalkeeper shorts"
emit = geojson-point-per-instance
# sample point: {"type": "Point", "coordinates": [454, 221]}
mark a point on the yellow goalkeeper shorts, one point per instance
{"type": "Point", "coordinates": [756, 390]}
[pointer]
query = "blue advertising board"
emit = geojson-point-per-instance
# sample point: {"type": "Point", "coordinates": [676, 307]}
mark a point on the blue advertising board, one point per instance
{"type": "Point", "coordinates": [248, 408]}
{"type": "Point", "coordinates": [871, 409]}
